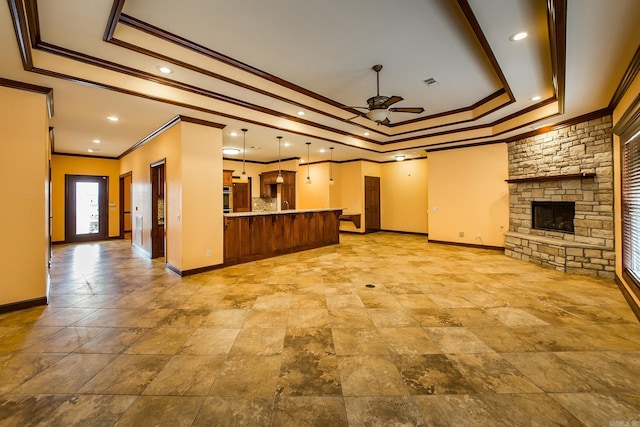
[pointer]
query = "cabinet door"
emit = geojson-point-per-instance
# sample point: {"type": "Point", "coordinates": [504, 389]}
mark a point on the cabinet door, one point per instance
{"type": "Point", "coordinates": [288, 194]}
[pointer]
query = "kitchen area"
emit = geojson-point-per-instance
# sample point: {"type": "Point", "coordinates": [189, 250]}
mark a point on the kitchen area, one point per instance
{"type": "Point", "coordinates": [267, 225]}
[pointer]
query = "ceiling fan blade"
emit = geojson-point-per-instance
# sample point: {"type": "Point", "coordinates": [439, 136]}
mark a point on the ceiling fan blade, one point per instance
{"type": "Point", "coordinates": [416, 110]}
{"type": "Point", "coordinates": [355, 106]}
{"type": "Point", "coordinates": [392, 100]}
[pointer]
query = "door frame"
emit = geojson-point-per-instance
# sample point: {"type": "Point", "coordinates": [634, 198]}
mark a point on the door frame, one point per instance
{"type": "Point", "coordinates": [158, 249]}
{"type": "Point", "coordinates": [70, 212]}
{"type": "Point", "coordinates": [122, 204]}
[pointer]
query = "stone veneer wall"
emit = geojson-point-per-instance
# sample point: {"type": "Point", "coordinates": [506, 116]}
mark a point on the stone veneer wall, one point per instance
{"type": "Point", "coordinates": [581, 148]}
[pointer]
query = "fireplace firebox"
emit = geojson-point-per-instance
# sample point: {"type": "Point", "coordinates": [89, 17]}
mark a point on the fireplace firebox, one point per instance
{"type": "Point", "coordinates": [553, 216]}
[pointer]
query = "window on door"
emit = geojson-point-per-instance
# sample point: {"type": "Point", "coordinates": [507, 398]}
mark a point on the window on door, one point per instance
{"type": "Point", "coordinates": [86, 208]}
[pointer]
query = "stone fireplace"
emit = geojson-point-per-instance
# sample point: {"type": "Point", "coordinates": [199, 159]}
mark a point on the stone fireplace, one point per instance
{"type": "Point", "coordinates": [561, 199]}
{"type": "Point", "coordinates": [553, 216]}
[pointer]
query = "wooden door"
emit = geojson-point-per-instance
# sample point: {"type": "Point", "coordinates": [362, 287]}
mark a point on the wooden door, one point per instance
{"type": "Point", "coordinates": [125, 206]}
{"type": "Point", "coordinates": [242, 196]}
{"type": "Point", "coordinates": [157, 210]}
{"type": "Point", "coordinates": [86, 210]}
{"type": "Point", "coordinates": [371, 203]}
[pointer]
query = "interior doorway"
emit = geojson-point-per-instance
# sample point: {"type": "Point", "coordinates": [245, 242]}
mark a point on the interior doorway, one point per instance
{"type": "Point", "coordinates": [371, 204]}
{"type": "Point", "coordinates": [158, 209]}
{"type": "Point", "coordinates": [125, 206]}
{"type": "Point", "coordinates": [86, 211]}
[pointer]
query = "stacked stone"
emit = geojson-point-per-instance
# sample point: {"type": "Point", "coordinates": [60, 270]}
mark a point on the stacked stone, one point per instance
{"type": "Point", "coordinates": [577, 149]}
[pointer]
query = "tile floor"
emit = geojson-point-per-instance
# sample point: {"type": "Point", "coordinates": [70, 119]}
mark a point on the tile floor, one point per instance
{"type": "Point", "coordinates": [448, 336]}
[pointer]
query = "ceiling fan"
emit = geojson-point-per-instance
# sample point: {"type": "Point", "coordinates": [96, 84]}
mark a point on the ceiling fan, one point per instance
{"type": "Point", "coordinates": [378, 105]}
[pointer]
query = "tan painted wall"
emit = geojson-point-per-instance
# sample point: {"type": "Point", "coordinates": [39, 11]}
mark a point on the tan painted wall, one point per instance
{"type": "Point", "coordinates": [167, 146]}
{"type": "Point", "coordinates": [193, 200]}
{"type": "Point", "coordinates": [72, 165]}
{"type": "Point", "coordinates": [348, 192]}
{"type": "Point", "coordinates": [623, 105]}
{"type": "Point", "coordinates": [468, 193]}
{"type": "Point", "coordinates": [24, 173]}
{"type": "Point", "coordinates": [403, 196]}
{"type": "Point", "coordinates": [317, 194]}
{"type": "Point", "coordinates": [202, 221]}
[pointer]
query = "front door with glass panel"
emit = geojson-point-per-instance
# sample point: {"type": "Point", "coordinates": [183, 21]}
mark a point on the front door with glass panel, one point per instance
{"type": "Point", "coordinates": [86, 208]}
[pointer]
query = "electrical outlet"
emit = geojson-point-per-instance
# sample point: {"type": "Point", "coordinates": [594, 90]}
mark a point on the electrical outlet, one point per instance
{"type": "Point", "coordinates": [208, 252]}
{"type": "Point", "coordinates": [478, 236]}
{"type": "Point", "coordinates": [461, 234]}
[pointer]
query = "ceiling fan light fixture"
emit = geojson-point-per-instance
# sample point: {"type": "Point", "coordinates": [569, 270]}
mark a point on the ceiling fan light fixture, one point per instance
{"type": "Point", "coordinates": [230, 150]}
{"type": "Point", "coordinates": [400, 157]}
{"type": "Point", "coordinates": [378, 115]}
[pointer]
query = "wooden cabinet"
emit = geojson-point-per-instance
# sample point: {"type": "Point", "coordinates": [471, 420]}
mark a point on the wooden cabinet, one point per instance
{"type": "Point", "coordinates": [227, 178]}
{"type": "Point", "coordinates": [269, 188]}
{"type": "Point", "coordinates": [253, 237]}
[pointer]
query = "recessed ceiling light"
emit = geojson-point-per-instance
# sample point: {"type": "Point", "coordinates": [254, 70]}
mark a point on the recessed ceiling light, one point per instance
{"type": "Point", "coordinates": [301, 113]}
{"type": "Point", "coordinates": [322, 150]}
{"type": "Point", "coordinates": [230, 150]}
{"type": "Point", "coordinates": [301, 160]}
{"type": "Point", "coordinates": [90, 150]}
{"type": "Point", "coordinates": [165, 70]}
{"type": "Point", "coordinates": [518, 36]}
{"type": "Point", "coordinates": [400, 157]}
{"type": "Point", "coordinates": [96, 141]}
{"type": "Point", "coordinates": [234, 133]}
{"type": "Point", "coordinates": [536, 98]}
{"type": "Point", "coordinates": [366, 134]}
{"type": "Point", "coordinates": [286, 144]}
{"type": "Point", "coordinates": [112, 118]}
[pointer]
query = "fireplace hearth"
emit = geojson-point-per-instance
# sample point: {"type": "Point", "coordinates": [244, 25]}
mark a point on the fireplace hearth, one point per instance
{"type": "Point", "coordinates": [553, 216]}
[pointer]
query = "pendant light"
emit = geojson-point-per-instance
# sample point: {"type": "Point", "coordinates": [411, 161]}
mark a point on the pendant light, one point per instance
{"type": "Point", "coordinates": [279, 179]}
{"type": "Point", "coordinates": [244, 177]}
{"type": "Point", "coordinates": [331, 182]}
{"type": "Point", "coordinates": [308, 181]}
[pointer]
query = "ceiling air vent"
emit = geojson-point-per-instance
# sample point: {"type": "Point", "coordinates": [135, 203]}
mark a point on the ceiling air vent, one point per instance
{"type": "Point", "coordinates": [430, 82]}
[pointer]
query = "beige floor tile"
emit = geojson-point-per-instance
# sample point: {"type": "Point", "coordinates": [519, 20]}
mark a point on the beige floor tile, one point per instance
{"type": "Point", "coordinates": [94, 410]}
{"type": "Point", "coordinates": [186, 375]}
{"type": "Point", "coordinates": [258, 342]}
{"type": "Point", "coordinates": [309, 411]}
{"type": "Point", "coordinates": [174, 411]}
{"type": "Point", "coordinates": [357, 341]}
{"type": "Point", "coordinates": [457, 340]}
{"type": "Point", "coordinates": [67, 375]}
{"type": "Point", "coordinates": [232, 411]}
{"type": "Point", "coordinates": [247, 377]}
{"type": "Point", "coordinates": [128, 374]}
{"type": "Point", "coordinates": [209, 342]}
{"type": "Point", "coordinates": [448, 336]}
{"type": "Point", "coordinates": [370, 376]}
{"type": "Point", "coordinates": [383, 411]}
{"type": "Point", "coordinates": [161, 341]}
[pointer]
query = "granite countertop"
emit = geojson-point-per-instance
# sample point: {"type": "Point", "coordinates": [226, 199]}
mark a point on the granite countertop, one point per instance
{"type": "Point", "coordinates": [288, 211]}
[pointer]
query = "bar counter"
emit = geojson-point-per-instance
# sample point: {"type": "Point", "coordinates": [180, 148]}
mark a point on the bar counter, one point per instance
{"type": "Point", "coordinates": [249, 236]}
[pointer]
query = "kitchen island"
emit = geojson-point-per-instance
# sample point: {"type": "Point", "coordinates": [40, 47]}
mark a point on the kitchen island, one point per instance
{"type": "Point", "coordinates": [249, 236]}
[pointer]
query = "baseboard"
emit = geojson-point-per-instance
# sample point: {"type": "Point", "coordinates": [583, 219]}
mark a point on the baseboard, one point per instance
{"type": "Point", "coordinates": [468, 245]}
{"type": "Point", "coordinates": [184, 273]}
{"type": "Point", "coordinates": [64, 242]}
{"type": "Point", "coordinates": [22, 305]}
{"type": "Point", "coordinates": [415, 233]}
{"type": "Point", "coordinates": [627, 296]}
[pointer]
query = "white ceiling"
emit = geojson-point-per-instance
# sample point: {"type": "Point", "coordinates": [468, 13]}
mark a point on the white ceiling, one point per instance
{"type": "Point", "coordinates": [255, 64]}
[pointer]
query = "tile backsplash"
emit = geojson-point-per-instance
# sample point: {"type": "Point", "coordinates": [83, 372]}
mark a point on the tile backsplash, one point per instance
{"type": "Point", "coordinates": [264, 205]}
